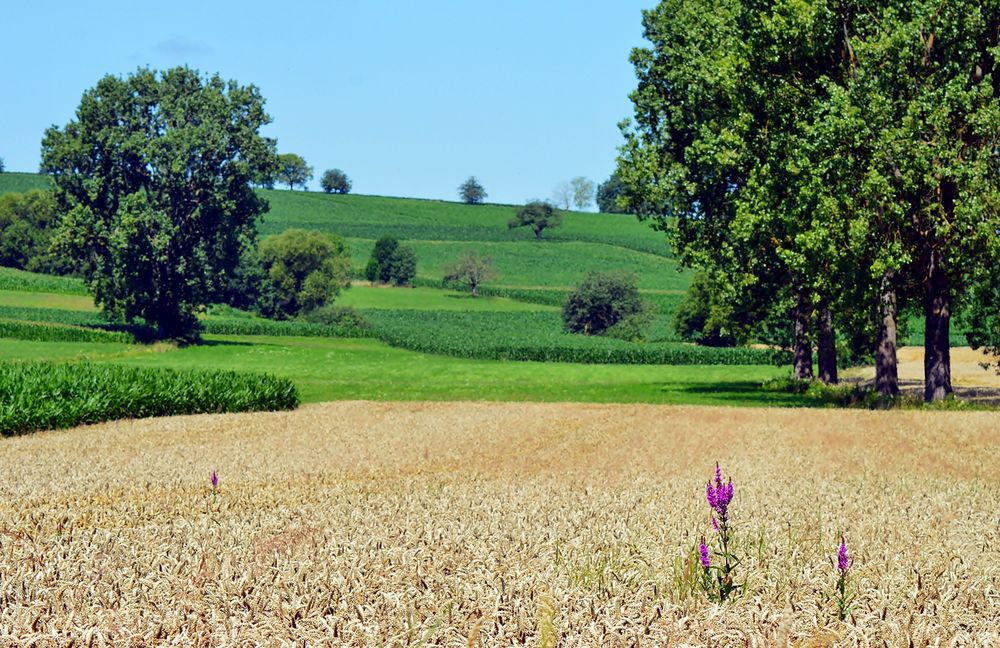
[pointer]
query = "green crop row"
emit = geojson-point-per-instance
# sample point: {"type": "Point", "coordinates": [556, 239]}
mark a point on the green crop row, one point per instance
{"type": "Point", "coordinates": [42, 396]}
{"type": "Point", "coordinates": [539, 336]}
{"type": "Point", "coordinates": [257, 326]}
{"type": "Point", "coordinates": [21, 281]}
{"type": "Point", "coordinates": [49, 332]}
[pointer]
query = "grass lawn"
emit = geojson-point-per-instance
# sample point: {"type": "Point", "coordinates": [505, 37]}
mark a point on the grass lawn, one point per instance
{"type": "Point", "coordinates": [334, 369]}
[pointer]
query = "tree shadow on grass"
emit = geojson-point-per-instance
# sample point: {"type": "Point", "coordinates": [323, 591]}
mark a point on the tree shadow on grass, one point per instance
{"type": "Point", "coordinates": [742, 393]}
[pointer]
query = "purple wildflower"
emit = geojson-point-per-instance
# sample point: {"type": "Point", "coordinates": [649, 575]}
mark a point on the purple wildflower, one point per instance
{"type": "Point", "coordinates": [706, 561]}
{"type": "Point", "coordinates": [214, 480]}
{"type": "Point", "coordinates": [843, 560]}
{"type": "Point", "coordinates": [719, 495]}
{"type": "Point", "coordinates": [715, 524]}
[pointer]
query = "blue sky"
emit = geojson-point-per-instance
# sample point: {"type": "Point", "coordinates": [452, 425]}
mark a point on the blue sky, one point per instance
{"type": "Point", "coordinates": [409, 98]}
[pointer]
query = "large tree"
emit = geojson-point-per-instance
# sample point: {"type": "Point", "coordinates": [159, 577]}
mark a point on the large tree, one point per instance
{"type": "Point", "coordinates": [154, 174]}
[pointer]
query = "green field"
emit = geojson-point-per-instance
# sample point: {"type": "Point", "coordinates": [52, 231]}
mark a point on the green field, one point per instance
{"type": "Point", "coordinates": [426, 342]}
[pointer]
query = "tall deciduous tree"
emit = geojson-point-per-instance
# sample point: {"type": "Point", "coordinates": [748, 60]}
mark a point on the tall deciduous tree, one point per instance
{"type": "Point", "coordinates": [335, 181]}
{"type": "Point", "coordinates": [470, 271]}
{"type": "Point", "coordinates": [607, 194]}
{"type": "Point", "coordinates": [154, 173]}
{"type": "Point", "coordinates": [293, 170]}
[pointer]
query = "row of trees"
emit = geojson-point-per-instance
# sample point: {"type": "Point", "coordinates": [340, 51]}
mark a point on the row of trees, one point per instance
{"type": "Point", "coordinates": [836, 166]}
{"type": "Point", "coordinates": [293, 170]}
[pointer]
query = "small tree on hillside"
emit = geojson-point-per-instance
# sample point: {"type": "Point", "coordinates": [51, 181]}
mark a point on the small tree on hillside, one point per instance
{"type": "Point", "coordinates": [391, 262]}
{"type": "Point", "coordinates": [293, 170]}
{"type": "Point", "coordinates": [562, 195]}
{"type": "Point", "coordinates": [583, 192]}
{"type": "Point", "coordinates": [470, 271]}
{"type": "Point", "coordinates": [1, 165]}
{"type": "Point", "coordinates": [472, 192]}
{"type": "Point", "coordinates": [335, 181]}
{"type": "Point", "coordinates": [607, 194]}
{"type": "Point", "coordinates": [304, 271]}
{"type": "Point", "coordinates": [538, 215]}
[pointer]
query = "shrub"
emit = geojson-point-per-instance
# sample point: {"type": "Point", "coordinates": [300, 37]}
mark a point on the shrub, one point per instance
{"type": "Point", "coordinates": [600, 302]}
{"type": "Point", "coordinates": [335, 181]}
{"type": "Point", "coordinates": [403, 265]}
{"type": "Point", "coordinates": [41, 396]}
{"type": "Point", "coordinates": [339, 316]}
{"type": "Point", "coordinates": [304, 271]}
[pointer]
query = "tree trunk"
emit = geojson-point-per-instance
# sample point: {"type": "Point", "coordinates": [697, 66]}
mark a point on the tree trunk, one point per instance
{"type": "Point", "coordinates": [802, 368]}
{"type": "Point", "coordinates": [937, 328]}
{"type": "Point", "coordinates": [827, 347]}
{"type": "Point", "coordinates": [886, 369]}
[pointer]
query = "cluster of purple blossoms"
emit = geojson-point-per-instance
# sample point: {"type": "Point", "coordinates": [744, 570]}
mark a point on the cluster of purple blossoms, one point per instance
{"type": "Point", "coordinates": [706, 561]}
{"type": "Point", "coordinates": [843, 560]}
{"type": "Point", "coordinates": [719, 496]}
{"type": "Point", "coordinates": [214, 480]}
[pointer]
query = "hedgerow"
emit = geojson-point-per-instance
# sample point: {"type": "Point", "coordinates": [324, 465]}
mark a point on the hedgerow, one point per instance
{"type": "Point", "coordinates": [49, 332]}
{"type": "Point", "coordinates": [42, 395]}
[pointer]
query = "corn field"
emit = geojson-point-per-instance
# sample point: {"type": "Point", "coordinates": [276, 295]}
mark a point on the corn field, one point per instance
{"type": "Point", "coordinates": [474, 524]}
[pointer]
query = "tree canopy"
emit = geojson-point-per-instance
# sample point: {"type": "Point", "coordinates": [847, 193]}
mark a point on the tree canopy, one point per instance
{"type": "Point", "coordinates": [335, 181]}
{"type": "Point", "coordinates": [470, 271]}
{"type": "Point", "coordinates": [832, 161]}
{"type": "Point", "coordinates": [471, 191]}
{"type": "Point", "coordinates": [154, 175]}
{"type": "Point", "coordinates": [538, 215]}
{"type": "Point", "coordinates": [292, 170]}
{"type": "Point", "coordinates": [304, 270]}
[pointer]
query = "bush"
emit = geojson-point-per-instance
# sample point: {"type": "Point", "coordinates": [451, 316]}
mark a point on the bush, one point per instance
{"type": "Point", "coordinates": [344, 317]}
{"type": "Point", "coordinates": [42, 396]}
{"type": "Point", "coordinates": [304, 270]}
{"type": "Point", "coordinates": [335, 181]}
{"type": "Point", "coordinates": [600, 302]}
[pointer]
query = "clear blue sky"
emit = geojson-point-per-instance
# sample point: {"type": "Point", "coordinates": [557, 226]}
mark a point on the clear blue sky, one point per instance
{"type": "Point", "coordinates": [408, 97]}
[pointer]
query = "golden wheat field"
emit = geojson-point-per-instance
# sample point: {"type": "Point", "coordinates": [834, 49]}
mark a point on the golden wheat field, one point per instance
{"type": "Point", "coordinates": [453, 524]}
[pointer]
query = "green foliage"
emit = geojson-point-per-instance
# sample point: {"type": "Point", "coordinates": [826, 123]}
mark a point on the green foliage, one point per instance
{"type": "Point", "coordinates": [48, 332]}
{"type": "Point", "coordinates": [27, 224]}
{"type": "Point", "coordinates": [607, 194]}
{"type": "Point", "coordinates": [601, 301]}
{"type": "Point", "coordinates": [539, 336]}
{"type": "Point", "coordinates": [285, 328]}
{"type": "Point", "coordinates": [155, 174]}
{"type": "Point", "coordinates": [293, 170]}
{"type": "Point", "coordinates": [304, 270]}
{"type": "Point", "coordinates": [341, 317]}
{"type": "Point", "coordinates": [11, 279]}
{"type": "Point", "coordinates": [471, 270]}
{"type": "Point", "coordinates": [471, 192]}
{"type": "Point", "coordinates": [335, 181]}
{"type": "Point", "coordinates": [24, 182]}
{"type": "Point", "coordinates": [705, 316]}
{"type": "Point", "coordinates": [538, 215]}
{"type": "Point", "coordinates": [42, 396]}
{"type": "Point", "coordinates": [391, 262]}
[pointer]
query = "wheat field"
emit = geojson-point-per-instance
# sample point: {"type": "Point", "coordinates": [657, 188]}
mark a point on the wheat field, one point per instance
{"type": "Point", "coordinates": [470, 524]}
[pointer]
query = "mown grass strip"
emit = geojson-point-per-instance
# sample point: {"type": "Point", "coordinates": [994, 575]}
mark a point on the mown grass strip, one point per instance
{"type": "Point", "coordinates": [42, 395]}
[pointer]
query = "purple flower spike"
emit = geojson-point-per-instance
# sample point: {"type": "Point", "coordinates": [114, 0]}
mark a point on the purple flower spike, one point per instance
{"type": "Point", "coordinates": [843, 560]}
{"type": "Point", "coordinates": [719, 495]}
{"type": "Point", "coordinates": [715, 525]}
{"type": "Point", "coordinates": [706, 561]}
{"type": "Point", "coordinates": [214, 479]}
